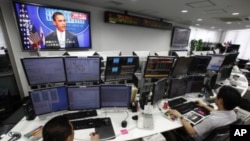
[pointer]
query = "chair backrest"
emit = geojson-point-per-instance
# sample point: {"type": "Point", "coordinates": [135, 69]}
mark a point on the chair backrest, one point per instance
{"type": "Point", "coordinates": [221, 133]}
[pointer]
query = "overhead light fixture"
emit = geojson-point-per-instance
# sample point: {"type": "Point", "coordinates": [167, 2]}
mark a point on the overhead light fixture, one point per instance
{"type": "Point", "coordinates": [236, 13]}
{"type": "Point", "coordinates": [184, 11]}
{"type": "Point", "coordinates": [229, 22]}
{"type": "Point", "coordinates": [199, 20]}
{"type": "Point", "coordinates": [247, 26]}
{"type": "Point", "coordinates": [212, 27]}
{"type": "Point", "coordinates": [197, 24]}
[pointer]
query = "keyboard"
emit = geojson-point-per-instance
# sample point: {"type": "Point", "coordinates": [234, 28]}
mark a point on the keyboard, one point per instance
{"type": "Point", "coordinates": [82, 114]}
{"type": "Point", "coordinates": [177, 101]}
{"type": "Point", "coordinates": [91, 123]}
{"type": "Point", "coordinates": [186, 107]}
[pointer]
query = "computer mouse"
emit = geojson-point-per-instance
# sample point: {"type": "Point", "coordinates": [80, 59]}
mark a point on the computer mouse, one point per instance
{"type": "Point", "coordinates": [124, 123]}
{"type": "Point", "coordinates": [135, 117]}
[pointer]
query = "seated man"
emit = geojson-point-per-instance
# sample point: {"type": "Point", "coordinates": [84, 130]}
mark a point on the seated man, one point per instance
{"type": "Point", "coordinates": [59, 128]}
{"type": "Point", "coordinates": [227, 99]}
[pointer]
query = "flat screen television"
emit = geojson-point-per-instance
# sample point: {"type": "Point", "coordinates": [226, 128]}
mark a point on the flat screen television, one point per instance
{"type": "Point", "coordinates": [82, 69]}
{"type": "Point", "coordinates": [195, 84]}
{"type": "Point", "coordinates": [49, 100]}
{"type": "Point", "coordinates": [84, 98]}
{"type": "Point", "coordinates": [216, 62]}
{"type": "Point", "coordinates": [177, 87]}
{"type": "Point", "coordinates": [115, 96]}
{"type": "Point", "coordinates": [37, 27]}
{"type": "Point", "coordinates": [159, 89]}
{"type": "Point", "coordinates": [181, 66]}
{"type": "Point", "coordinates": [199, 64]}
{"type": "Point", "coordinates": [158, 66]}
{"type": "Point", "coordinates": [44, 70]}
{"type": "Point", "coordinates": [180, 36]}
{"type": "Point", "coordinates": [121, 68]}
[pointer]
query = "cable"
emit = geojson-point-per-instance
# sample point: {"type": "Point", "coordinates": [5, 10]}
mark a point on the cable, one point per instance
{"type": "Point", "coordinates": [127, 115]}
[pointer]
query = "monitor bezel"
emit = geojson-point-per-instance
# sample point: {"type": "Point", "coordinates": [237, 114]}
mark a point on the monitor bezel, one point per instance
{"type": "Point", "coordinates": [70, 82]}
{"type": "Point", "coordinates": [58, 87]}
{"type": "Point", "coordinates": [85, 87]}
{"type": "Point", "coordinates": [26, 73]}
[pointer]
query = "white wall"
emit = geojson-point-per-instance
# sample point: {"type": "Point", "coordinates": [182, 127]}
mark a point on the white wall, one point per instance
{"type": "Point", "coordinates": [105, 37]}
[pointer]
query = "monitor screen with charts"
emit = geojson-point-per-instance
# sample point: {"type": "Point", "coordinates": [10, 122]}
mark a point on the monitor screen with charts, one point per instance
{"type": "Point", "coordinates": [49, 100]}
{"type": "Point", "coordinates": [115, 96]}
{"type": "Point", "coordinates": [215, 62]}
{"type": "Point", "coordinates": [82, 69]}
{"type": "Point", "coordinates": [121, 68]}
{"type": "Point", "coordinates": [84, 98]}
{"type": "Point", "coordinates": [158, 66]}
{"type": "Point", "coordinates": [44, 70]}
{"type": "Point", "coordinates": [230, 58]}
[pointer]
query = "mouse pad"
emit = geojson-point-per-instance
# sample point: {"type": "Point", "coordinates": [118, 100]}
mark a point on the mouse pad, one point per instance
{"type": "Point", "coordinates": [106, 130]}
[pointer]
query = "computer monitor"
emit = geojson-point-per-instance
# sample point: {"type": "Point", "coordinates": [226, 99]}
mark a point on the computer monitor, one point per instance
{"type": "Point", "coordinates": [225, 72]}
{"type": "Point", "coordinates": [82, 69]}
{"type": "Point", "coordinates": [44, 70]}
{"type": "Point", "coordinates": [115, 96]}
{"type": "Point", "coordinates": [181, 66]}
{"type": "Point", "coordinates": [49, 100]}
{"type": "Point", "coordinates": [158, 66]}
{"type": "Point", "coordinates": [159, 90]}
{"type": "Point", "coordinates": [199, 64]}
{"type": "Point", "coordinates": [120, 68]}
{"type": "Point", "coordinates": [84, 98]}
{"type": "Point", "coordinates": [215, 62]}
{"type": "Point", "coordinates": [195, 84]}
{"type": "Point", "coordinates": [230, 58]}
{"type": "Point", "coordinates": [177, 87]}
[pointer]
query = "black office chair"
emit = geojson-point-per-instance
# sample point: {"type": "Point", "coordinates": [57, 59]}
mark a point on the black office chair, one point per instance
{"type": "Point", "coordinates": [222, 133]}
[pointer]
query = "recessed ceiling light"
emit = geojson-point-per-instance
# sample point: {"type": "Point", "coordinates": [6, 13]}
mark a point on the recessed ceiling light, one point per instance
{"type": "Point", "coordinates": [184, 11]}
{"type": "Point", "coordinates": [235, 13]}
{"type": "Point", "coordinates": [199, 20]}
{"type": "Point", "coordinates": [229, 22]}
{"type": "Point", "coordinates": [197, 24]}
{"type": "Point", "coordinates": [212, 27]}
{"type": "Point", "coordinates": [219, 29]}
{"type": "Point", "coordinates": [247, 26]}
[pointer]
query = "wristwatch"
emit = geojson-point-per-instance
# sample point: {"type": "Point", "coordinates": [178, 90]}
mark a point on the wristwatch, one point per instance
{"type": "Point", "coordinates": [181, 117]}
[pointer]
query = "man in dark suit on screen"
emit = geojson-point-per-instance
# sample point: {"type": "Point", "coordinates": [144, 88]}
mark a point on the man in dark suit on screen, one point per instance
{"type": "Point", "coordinates": [60, 38]}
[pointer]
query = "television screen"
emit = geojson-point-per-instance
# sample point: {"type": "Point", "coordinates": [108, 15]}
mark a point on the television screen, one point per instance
{"type": "Point", "coordinates": [180, 37]}
{"type": "Point", "coordinates": [52, 28]}
{"type": "Point", "coordinates": [158, 66]}
{"type": "Point", "coordinates": [177, 87]}
{"type": "Point", "coordinates": [159, 89]}
{"type": "Point", "coordinates": [49, 100]}
{"type": "Point", "coordinates": [121, 68]}
{"type": "Point", "coordinates": [82, 69]}
{"type": "Point", "coordinates": [44, 70]}
{"type": "Point", "coordinates": [115, 96]}
{"type": "Point", "coordinates": [181, 66]}
{"type": "Point", "coordinates": [84, 98]}
{"type": "Point", "coordinates": [215, 62]}
{"type": "Point", "coordinates": [199, 64]}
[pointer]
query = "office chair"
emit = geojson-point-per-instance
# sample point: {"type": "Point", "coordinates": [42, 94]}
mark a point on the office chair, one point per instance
{"type": "Point", "coordinates": [222, 133]}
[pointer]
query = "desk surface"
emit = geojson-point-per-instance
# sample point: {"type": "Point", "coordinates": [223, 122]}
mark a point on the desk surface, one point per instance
{"type": "Point", "coordinates": [161, 123]}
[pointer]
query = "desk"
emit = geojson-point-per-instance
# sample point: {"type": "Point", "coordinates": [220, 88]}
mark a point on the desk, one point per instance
{"type": "Point", "coordinates": [161, 124]}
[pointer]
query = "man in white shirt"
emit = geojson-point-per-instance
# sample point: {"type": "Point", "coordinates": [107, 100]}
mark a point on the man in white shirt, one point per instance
{"type": "Point", "coordinates": [226, 100]}
{"type": "Point", "coordinates": [61, 38]}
